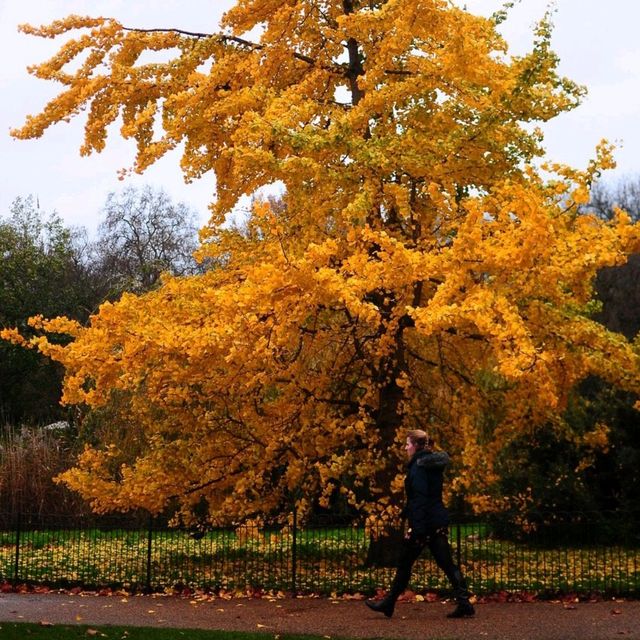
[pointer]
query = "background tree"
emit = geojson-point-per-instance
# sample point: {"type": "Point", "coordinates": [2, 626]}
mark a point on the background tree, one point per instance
{"type": "Point", "coordinates": [50, 270]}
{"type": "Point", "coordinates": [420, 273]}
{"type": "Point", "coordinates": [618, 288]}
{"type": "Point", "coordinates": [44, 271]}
{"type": "Point", "coordinates": [579, 470]}
{"type": "Point", "coordinates": [624, 193]}
{"type": "Point", "coordinates": [143, 235]}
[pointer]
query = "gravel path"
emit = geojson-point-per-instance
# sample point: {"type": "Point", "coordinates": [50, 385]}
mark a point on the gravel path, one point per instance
{"type": "Point", "coordinates": [333, 618]}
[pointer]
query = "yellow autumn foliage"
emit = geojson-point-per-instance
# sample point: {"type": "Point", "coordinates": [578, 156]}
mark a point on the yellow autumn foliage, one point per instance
{"type": "Point", "coordinates": [416, 273]}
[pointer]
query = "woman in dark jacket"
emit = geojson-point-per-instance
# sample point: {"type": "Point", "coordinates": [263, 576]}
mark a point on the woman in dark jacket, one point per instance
{"type": "Point", "coordinates": [428, 521]}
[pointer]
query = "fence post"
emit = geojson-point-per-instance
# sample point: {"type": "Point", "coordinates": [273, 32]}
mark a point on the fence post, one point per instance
{"type": "Point", "coordinates": [294, 550]}
{"type": "Point", "coordinates": [149, 544]}
{"type": "Point", "coordinates": [16, 568]}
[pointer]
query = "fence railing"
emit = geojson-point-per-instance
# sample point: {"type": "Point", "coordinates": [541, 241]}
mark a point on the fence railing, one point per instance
{"type": "Point", "coordinates": [325, 558]}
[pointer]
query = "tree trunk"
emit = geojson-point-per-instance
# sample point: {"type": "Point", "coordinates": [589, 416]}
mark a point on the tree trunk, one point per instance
{"type": "Point", "coordinates": [384, 550]}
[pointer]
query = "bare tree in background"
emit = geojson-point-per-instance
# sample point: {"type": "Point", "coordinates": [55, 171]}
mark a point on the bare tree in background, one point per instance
{"type": "Point", "coordinates": [143, 235]}
{"type": "Point", "coordinates": [625, 193]}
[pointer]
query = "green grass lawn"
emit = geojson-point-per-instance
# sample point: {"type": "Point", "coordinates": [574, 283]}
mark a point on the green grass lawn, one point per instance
{"type": "Point", "coordinates": [24, 631]}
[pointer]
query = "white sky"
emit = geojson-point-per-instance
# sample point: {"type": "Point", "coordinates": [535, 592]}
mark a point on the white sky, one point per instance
{"type": "Point", "coordinates": [596, 41]}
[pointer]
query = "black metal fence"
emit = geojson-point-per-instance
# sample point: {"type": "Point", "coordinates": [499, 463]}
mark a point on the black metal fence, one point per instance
{"type": "Point", "coordinates": [142, 554]}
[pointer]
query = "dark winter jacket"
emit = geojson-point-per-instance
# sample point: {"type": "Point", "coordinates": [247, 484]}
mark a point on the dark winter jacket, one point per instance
{"type": "Point", "coordinates": [424, 508]}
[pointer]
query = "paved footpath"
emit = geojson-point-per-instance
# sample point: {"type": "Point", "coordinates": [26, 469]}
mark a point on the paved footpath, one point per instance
{"type": "Point", "coordinates": [333, 618]}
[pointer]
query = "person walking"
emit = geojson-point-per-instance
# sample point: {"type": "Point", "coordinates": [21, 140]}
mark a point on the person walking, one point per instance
{"type": "Point", "coordinates": [428, 525]}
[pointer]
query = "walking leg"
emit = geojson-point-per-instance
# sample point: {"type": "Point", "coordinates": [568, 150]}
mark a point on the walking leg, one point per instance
{"type": "Point", "coordinates": [441, 551]}
{"type": "Point", "coordinates": [408, 555]}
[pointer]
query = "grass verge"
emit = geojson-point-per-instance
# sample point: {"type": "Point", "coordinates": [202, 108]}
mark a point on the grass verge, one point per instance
{"type": "Point", "coordinates": [28, 631]}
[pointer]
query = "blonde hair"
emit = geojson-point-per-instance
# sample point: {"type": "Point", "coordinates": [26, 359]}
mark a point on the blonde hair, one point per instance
{"type": "Point", "coordinates": [420, 439]}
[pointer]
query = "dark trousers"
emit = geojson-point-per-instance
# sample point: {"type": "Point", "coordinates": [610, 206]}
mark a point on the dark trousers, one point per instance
{"type": "Point", "coordinates": [438, 543]}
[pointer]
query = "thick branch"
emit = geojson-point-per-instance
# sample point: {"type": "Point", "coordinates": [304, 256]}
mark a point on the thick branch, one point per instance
{"type": "Point", "coordinates": [254, 46]}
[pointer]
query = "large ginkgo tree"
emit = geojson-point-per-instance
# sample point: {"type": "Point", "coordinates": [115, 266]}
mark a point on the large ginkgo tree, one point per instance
{"type": "Point", "coordinates": [415, 272]}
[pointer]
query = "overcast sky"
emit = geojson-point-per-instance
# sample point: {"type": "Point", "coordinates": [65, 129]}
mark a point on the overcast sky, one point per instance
{"type": "Point", "coordinates": [597, 43]}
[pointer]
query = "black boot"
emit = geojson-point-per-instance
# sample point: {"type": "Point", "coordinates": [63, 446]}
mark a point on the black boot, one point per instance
{"type": "Point", "coordinates": [386, 605]}
{"type": "Point", "coordinates": [464, 608]}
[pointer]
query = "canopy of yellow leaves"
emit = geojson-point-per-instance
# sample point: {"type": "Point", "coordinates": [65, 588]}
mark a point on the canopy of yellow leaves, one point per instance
{"type": "Point", "coordinates": [415, 274]}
